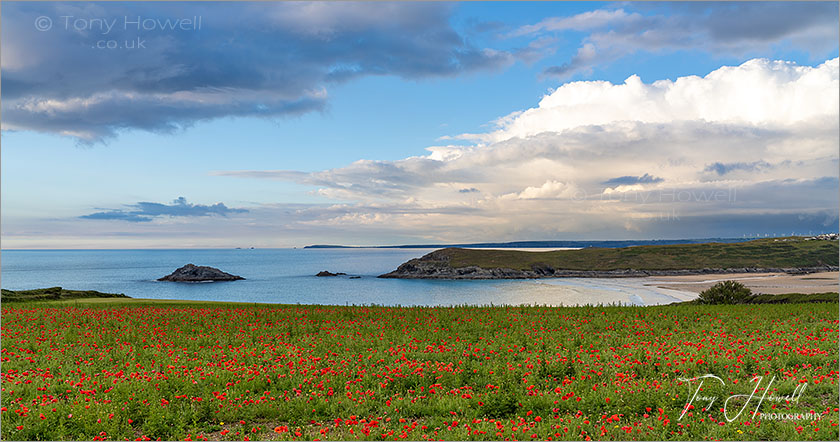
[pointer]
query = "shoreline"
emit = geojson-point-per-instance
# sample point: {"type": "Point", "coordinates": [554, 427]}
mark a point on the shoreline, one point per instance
{"type": "Point", "coordinates": [760, 283]}
{"type": "Point", "coordinates": [475, 273]}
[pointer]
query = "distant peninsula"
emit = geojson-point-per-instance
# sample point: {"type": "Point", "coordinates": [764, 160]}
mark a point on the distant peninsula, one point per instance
{"type": "Point", "coordinates": [776, 255]}
{"type": "Point", "coordinates": [571, 244]}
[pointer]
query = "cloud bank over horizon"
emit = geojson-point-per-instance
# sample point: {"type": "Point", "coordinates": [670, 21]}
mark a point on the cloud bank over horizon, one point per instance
{"type": "Point", "coordinates": [750, 141]}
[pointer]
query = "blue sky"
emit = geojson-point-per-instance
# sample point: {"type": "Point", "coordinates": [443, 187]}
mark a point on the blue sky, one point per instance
{"type": "Point", "coordinates": [268, 108]}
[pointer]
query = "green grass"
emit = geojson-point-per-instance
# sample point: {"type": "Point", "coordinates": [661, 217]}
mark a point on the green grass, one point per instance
{"type": "Point", "coordinates": [764, 253]}
{"type": "Point", "coordinates": [53, 293]}
{"type": "Point", "coordinates": [784, 298]}
{"type": "Point", "coordinates": [794, 298]}
{"type": "Point", "coordinates": [127, 368]}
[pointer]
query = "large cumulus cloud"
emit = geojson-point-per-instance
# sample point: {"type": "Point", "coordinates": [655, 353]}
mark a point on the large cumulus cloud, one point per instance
{"type": "Point", "coordinates": [747, 143]}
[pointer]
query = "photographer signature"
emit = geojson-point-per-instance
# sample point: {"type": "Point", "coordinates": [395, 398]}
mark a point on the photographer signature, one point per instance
{"type": "Point", "coordinates": [793, 397]}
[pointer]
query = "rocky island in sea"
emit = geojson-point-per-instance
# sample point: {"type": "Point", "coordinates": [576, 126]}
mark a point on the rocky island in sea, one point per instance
{"type": "Point", "coordinates": [194, 273]}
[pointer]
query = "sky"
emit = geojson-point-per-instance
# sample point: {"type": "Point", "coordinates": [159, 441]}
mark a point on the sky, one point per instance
{"type": "Point", "coordinates": [178, 125]}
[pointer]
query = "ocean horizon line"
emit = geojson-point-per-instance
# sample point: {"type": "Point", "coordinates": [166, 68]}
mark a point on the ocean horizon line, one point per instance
{"type": "Point", "coordinates": [509, 244]}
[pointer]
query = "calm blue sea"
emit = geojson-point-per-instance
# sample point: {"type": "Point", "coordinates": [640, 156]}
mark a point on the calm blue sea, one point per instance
{"type": "Point", "coordinates": [287, 276]}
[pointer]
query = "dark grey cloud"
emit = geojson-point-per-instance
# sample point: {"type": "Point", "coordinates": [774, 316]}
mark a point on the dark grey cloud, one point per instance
{"type": "Point", "coordinates": [247, 59]}
{"type": "Point", "coordinates": [146, 211]}
{"type": "Point", "coordinates": [468, 190]}
{"type": "Point", "coordinates": [630, 179]}
{"type": "Point", "coordinates": [739, 22]}
{"type": "Point", "coordinates": [559, 70]}
{"type": "Point", "coordinates": [725, 28]}
{"type": "Point", "coordinates": [790, 194]}
{"type": "Point", "coordinates": [724, 168]}
{"type": "Point", "coordinates": [118, 215]}
{"type": "Point", "coordinates": [728, 225]}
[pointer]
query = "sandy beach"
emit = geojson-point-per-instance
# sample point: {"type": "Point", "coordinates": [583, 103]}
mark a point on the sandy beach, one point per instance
{"type": "Point", "coordinates": [771, 283]}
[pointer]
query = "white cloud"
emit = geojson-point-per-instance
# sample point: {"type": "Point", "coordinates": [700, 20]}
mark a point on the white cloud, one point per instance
{"type": "Point", "coordinates": [746, 144]}
{"type": "Point", "coordinates": [581, 22]}
{"type": "Point", "coordinates": [551, 189]}
{"type": "Point", "coordinates": [759, 92]}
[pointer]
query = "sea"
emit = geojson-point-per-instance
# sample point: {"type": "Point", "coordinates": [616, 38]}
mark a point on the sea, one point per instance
{"type": "Point", "coordinates": [287, 276]}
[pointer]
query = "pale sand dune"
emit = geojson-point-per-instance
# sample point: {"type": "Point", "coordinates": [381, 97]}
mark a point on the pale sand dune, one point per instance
{"type": "Point", "coordinates": [771, 283]}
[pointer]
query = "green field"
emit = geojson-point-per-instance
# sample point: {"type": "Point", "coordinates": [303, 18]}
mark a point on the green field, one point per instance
{"type": "Point", "coordinates": [763, 253]}
{"type": "Point", "coordinates": [138, 369]}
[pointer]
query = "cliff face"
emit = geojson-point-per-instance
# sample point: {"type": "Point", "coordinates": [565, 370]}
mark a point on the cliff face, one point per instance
{"type": "Point", "coordinates": [436, 265]}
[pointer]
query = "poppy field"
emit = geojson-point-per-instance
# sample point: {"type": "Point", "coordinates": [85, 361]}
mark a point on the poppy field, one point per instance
{"type": "Point", "coordinates": [138, 370]}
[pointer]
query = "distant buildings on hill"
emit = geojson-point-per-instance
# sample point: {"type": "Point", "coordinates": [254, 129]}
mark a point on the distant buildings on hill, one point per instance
{"type": "Point", "coordinates": [824, 237]}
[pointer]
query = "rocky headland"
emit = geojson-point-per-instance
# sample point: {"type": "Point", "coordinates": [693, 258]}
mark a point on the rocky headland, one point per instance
{"type": "Point", "coordinates": [671, 260]}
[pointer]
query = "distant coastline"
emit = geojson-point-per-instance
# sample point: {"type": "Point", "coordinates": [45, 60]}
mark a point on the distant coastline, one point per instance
{"type": "Point", "coordinates": [571, 244]}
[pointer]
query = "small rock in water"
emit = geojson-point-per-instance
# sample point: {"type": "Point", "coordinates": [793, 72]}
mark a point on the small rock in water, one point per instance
{"type": "Point", "coordinates": [326, 273]}
{"type": "Point", "coordinates": [194, 273]}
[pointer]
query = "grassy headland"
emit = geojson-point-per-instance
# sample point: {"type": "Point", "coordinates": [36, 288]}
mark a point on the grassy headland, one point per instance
{"type": "Point", "coordinates": [775, 253]}
{"type": "Point", "coordinates": [794, 252]}
{"type": "Point", "coordinates": [53, 294]}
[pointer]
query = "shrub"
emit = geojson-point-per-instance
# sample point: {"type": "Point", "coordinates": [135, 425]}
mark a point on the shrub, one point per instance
{"type": "Point", "coordinates": [726, 292]}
